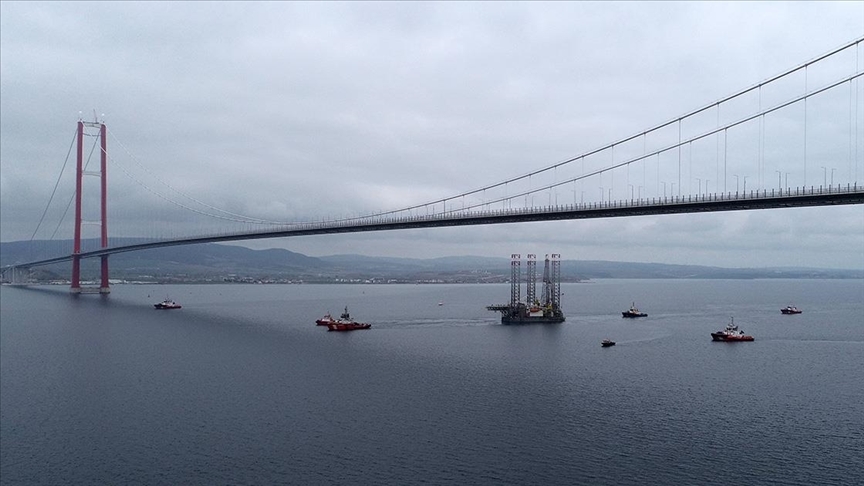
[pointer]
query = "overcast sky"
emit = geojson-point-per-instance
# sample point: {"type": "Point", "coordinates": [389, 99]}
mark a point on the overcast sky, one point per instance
{"type": "Point", "coordinates": [297, 111]}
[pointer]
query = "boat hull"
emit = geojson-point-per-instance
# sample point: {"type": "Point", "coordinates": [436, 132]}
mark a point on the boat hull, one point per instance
{"type": "Point", "coordinates": [634, 314]}
{"type": "Point", "coordinates": [532, 319]}
{"type": "Point", "coordinates": [166, 307]}
{"type": "Point", "coordinates": [719, 336]}
{"type": "Point", "coordinates": [342, 327]}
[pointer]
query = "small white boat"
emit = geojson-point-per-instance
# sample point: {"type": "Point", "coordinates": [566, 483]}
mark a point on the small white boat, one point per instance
{"type": "Point", "coordinates": [167, 304]}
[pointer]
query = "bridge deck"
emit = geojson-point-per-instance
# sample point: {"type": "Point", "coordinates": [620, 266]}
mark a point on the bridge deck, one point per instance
{"type": "Point", "coordinates": [800, 197]}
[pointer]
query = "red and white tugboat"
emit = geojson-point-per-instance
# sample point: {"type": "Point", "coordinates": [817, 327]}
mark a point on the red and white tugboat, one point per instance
{"type": "Point", "coordinates": [790, 309]}
{"type": "Point", "coordinates": [167, 304]}
{"type": "Point", "coordinates": [344, 323]}
{"type": "Point", "coordinates": [731, 334]}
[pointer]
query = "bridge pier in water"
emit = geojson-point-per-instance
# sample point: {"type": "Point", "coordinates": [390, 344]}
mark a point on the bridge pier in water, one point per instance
{"type": "Point", "coordinates": [75, 287]}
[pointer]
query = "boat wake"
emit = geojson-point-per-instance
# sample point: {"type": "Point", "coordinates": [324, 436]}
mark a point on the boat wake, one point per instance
{"type": "Point", "coordinates": [435, 323]}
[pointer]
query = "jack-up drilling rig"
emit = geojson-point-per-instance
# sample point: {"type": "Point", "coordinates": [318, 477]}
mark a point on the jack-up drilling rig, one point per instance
{"type": "Point", "coordinates": [547, 309]}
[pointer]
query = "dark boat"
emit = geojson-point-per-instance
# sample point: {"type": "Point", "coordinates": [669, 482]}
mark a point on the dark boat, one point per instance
{"type": "Point", "coordinates": [167, 304]}
{"type": "Point", "coordinates": [344, 323]}
{"type": "Point", "coordinates": [633, 312]}
{"type": "Point", "coordinates": [606, 343]}
{"type": "Point", "coordinates": [731, 334]}
{"type": "Point", "coordinates": [790, 309]}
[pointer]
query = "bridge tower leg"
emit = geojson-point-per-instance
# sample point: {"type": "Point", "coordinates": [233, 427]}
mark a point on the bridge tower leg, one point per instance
{"type": "Point", "coordinates": [79, 179]}
{"type": "Point", "coordinates": [76, 242]}
{"type": "Point", "coordinates": [103, 286]}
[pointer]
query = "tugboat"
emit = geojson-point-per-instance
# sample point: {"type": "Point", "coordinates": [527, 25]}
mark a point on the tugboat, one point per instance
{"type": "Point", "coordinates": [606, 343]}
{"type": "Point", "coordinates": [326, 320]}
{"type": "Point", "coordinates": [731, 334]}
{"type": "Point", "coordinates": [167, 304]}
{"type": "Point", "coordinates": [344, 323]}
{"type": "Point", "coordinates": [790, 309]}
{"type": "Point", "coordinates": [633, 312]}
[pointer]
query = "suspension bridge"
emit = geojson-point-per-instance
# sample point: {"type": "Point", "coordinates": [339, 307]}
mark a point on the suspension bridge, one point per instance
{"type": "Point", "coordinates": [805, 122]}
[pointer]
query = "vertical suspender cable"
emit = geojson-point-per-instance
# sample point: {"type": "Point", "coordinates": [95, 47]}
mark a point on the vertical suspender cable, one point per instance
{"type": "Point", "coordinates": [679, 156]}
{"type": "Point", "coordinates": [717, 158]}
{"type": "Point", "coordinates": [805, 127]}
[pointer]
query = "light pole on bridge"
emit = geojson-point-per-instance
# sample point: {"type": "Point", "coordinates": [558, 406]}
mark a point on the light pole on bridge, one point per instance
{"type": "Point", "coordinates": [825, 176]}
{"type": "Point", "coordinates": [779, 180]}
{"type": "Point", "coordinates": [745, 184]}
{"type": "Point", "coordinates": [699, 181]}
{"type": "Point", "coordinates": [631, 191]}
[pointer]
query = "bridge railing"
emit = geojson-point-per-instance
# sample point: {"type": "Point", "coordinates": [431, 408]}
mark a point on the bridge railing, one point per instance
{"type": "Point", "coordinates": [756, 194]}
{"type": "Point", "coordinates": [458, 214]}
{"type": "Point", "coordinates": [655, 201]}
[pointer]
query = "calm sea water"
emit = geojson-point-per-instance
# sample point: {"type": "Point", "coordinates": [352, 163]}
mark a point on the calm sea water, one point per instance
{"type": "Point", "coordinates": [240, 386]}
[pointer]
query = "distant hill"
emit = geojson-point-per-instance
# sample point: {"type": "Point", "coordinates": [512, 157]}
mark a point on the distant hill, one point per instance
{"type": "Point", "coordinates": [217, 263]}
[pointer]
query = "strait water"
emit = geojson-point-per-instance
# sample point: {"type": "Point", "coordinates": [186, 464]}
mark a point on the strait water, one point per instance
{"type": "Point", "coordinates": [240, 386]}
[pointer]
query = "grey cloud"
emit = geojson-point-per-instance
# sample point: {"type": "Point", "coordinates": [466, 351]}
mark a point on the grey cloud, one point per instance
{"type": "Point", "coordinates": [290, 111]}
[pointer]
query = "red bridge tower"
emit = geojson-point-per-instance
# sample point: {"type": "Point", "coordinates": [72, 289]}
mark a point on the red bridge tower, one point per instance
{"type": "Point", "coordinates": [79, 179]}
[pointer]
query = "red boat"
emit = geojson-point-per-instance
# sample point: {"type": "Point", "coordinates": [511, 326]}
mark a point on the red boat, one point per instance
{"type": "Point", "coordinates": [790, 309]}
{"type": "Point", "coordinates": [348, 326]}
{"type": "Point", "coordinates": [731, 334]}
{"type": "Point", "coordinates": [344, 323]}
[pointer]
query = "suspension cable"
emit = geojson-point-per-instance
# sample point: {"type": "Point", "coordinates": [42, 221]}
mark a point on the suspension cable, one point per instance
{"type": "Point", "coordinates": [69, 204]}
{"type": "Point", "coordinates": [677, 145]}
{"type": "Point", "coordinates": [738, 94]}
{"type": "Point", "coordinates": [248, 219]}
{"type": "Point", "coordinates": [54, 191]}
